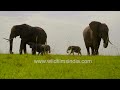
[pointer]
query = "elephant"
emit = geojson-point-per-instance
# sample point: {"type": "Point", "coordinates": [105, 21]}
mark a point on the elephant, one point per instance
{"type": "Point", "coordinates": [46, 48]}
{"type": "Point", "coordinates": [27, 34]}
{"type": "Point", "coordinates": [40, 48]}
{"type": "Point", "coordinates": [73, 49]}
{"type": "Point", "coordinates": [36, 48]}
{"type": "Point", "coordinates": [93, 34]}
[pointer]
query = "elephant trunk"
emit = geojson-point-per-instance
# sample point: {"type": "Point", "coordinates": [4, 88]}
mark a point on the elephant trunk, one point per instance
{"type": "Point", "coordinates": [49, 51]}
{"type": "Point", "coordinates": [11, 44]}
{"type": "Point", "coordinates": [67, 50]}
{"type": "Point", "coordinates": [106, 42]}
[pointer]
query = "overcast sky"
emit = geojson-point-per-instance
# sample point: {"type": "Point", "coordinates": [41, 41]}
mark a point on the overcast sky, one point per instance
{"type": "Point", "coordinates": [64, 28]}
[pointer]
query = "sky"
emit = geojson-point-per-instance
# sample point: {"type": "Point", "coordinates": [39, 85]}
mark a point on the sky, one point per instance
{"type": "Point", "coordinates": [63, 28]}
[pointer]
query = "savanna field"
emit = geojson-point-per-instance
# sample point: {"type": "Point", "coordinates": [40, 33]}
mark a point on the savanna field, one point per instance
{"type": "Point", "coordinates": [24, 67]}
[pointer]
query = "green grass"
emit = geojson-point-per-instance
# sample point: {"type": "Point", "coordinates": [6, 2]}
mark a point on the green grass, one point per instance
{"type": "Point", "coordinates": [23, 67]}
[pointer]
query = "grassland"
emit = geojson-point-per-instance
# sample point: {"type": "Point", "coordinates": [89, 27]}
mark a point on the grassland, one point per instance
{"type": "Point", "coordinates": [23, 67]}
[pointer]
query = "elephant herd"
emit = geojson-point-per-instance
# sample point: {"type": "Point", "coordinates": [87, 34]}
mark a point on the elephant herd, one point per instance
{"type": "Point", "coordinates": [36, 38]}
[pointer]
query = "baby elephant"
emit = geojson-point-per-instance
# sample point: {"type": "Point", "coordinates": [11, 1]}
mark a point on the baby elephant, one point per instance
{"type": "Point", "coordinates": [46, 49]}
{"type": "Point", "coordinates": [73, 49]}
{"type": "Point", "coordinates": [39, 48]}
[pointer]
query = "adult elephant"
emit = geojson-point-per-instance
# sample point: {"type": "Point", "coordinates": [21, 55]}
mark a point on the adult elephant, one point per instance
{"type": "Point", "coordinates": [27, 34]}
{"type": "Point", "coordinates": [93, 34]}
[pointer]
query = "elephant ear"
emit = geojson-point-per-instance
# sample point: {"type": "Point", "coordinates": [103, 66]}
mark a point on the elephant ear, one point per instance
{"type": "Point", "coordinates": [94, 25]}
{"type": "Point", "coordinates": [69, 48]}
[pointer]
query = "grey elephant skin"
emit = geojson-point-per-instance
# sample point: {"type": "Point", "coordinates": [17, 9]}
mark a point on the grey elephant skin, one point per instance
{"type": "Point", "coordinates": [27, 34]}
{"type": "Point", "coordinates": [47, 49]}
{"type": "Point", "coordinates": [40, 48]}
{"type": "Point", "coordinates": [75, 49]}
{"type": "Point", "coordinates": [93, 34]}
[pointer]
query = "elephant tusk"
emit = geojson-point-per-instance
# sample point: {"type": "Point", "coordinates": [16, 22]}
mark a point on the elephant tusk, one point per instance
{"type": "Point", "coordinates": [110, 43]}
{"type": "Point", "coordinates": [6, 39]}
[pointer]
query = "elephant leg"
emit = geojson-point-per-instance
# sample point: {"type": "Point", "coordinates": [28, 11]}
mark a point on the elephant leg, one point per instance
{"type": "Point", "coordinates": [80, 53]}
{"type": "Point", "coordinates": [96, 52]}
{"type": "Point", "coordinates": [42, 53]}
{"type": "Point", "coordinates": [93, 51]}
{"type": "Point", "coordinates": [46, 52]}
{"type": "Point", "coordinates": [96, 46]}
{"type": "Point", "coordinates": [49, 51]}
{"type": "Point", "coordinates": [73, 52]}
{"type": "Point", "coordinates": [70, 52]}
{"type": "Point", "coordinates": [33, 52]}
{"type": "Point", "coordinates": [88, 52]}
{"type": "Point", "coordinates": [38, 53]}
{"type": "Point", "coordinates": [21, 47]}
{"type": "Point", "coordinates": [20, 50]}
{"type": "Point", "coordinates": [25, 49]}
{"type": "Point", "coordinates": [96, 49]}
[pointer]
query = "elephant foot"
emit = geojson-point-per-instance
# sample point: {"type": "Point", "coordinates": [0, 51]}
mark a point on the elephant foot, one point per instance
{"type": "Point", "coordinates": [25, 53]}
{"type": "Point", "coordinates": [33, 53]}
{"type": "Point", "coordinates": [11, 53]}
{"type": "Point", "coordinates": [20, 52]}
{"type": "Point", "coordinates": [88, 54]}
{"type": "Point", "coordinates": [42, 54]}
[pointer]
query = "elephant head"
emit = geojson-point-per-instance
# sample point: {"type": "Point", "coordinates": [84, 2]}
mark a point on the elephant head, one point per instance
{"type": "Point", "coordinates": [31, 44]}
{"type": "Point", "coordinates": [49, 49]}
{"type": "Point", "coordinates": [17, 30]}
{"type": "Point", "coordinates": [69, 48]}
{"type": "Point", "coordinates": [100, 30]}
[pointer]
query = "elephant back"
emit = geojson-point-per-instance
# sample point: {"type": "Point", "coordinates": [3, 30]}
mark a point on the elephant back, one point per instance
{"type": "Point", "coordinates": [39, 35]}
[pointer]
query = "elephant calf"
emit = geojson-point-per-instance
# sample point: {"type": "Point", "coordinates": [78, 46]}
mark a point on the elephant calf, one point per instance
{"type": "Point", "coordinates": [73, 49]}
{"type": "Point", "coordinates": [46, 49]}
{"type": "Point", "coordinates": [43, 49]}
